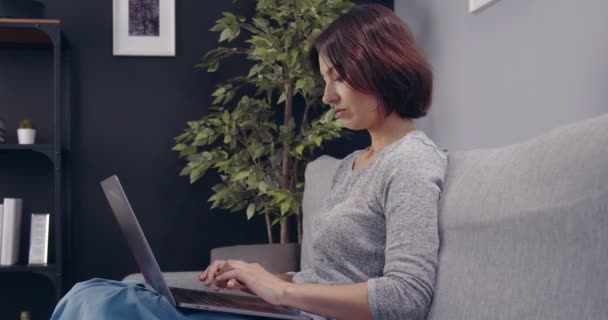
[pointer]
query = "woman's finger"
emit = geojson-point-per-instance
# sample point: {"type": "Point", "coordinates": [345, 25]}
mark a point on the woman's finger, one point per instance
{"type": "Point", "coordinates": [235, 284]}
{"type": "Point", "coordinates": [230, 274]}
{"type": "Point", "coordinates": [204, 274]}
{"type": "Point", "coordinates": [212, 270]}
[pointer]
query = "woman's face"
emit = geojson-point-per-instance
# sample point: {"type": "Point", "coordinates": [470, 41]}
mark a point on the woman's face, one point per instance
{"type": "Point", "coordinates": [357, 110]}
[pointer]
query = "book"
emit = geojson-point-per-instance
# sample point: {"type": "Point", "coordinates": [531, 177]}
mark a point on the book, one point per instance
{"type": "Point", "coordinates": [11, 227]}
{"type": "Point", "coordinates": [39, 238]}
{"type": "Point", "coordinates": [1, 220]}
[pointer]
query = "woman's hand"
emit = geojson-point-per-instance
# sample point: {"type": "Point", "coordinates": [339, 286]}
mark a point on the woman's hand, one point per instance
{"type": "Point", "coordinates": [234, 274]}
{"type": "Point", "coordinates": [209, 275]}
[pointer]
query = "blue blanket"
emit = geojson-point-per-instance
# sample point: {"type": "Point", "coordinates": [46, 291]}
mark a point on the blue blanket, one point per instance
{"type": "Point", "coordinates": [108, 299]}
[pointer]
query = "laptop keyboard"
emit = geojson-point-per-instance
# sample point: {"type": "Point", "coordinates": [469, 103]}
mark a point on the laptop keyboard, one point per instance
{"type": "Point", "coordinates": [201, 297]}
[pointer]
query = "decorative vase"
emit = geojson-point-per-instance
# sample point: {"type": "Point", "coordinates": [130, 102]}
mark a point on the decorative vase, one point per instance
{"type": "Point", "coordinates": [26, 135]}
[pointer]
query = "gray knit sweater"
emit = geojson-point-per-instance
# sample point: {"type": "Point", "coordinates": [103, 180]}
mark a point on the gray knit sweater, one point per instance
{"type": "Point", "coordinates": [379, 225]}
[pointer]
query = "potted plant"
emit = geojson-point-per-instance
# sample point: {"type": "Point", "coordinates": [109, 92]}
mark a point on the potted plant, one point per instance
{"type": "Point", "coordinates": [26, 134]}
{"type": "Point", "coordinates": [256, 142]}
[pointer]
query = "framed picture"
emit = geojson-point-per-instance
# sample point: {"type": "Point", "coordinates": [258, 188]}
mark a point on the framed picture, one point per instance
{"type": "Point", "coordinates": [144, 27]}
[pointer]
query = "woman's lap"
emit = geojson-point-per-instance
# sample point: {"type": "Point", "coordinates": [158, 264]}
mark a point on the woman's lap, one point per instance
{"type": "Point", "coordinates": [109, 299]}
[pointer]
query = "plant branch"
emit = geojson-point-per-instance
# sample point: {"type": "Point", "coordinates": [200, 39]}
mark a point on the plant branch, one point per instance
{"type": "Point", "coordinates": [289, 88]}
{"type": "Point", "coordinates": [309, 104]}
{"type": "Point", "coordinates": [268, 225]}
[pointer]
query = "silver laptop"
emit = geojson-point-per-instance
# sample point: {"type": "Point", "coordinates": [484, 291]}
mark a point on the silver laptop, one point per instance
{"type": "Point", "coordinates": [184, 298]}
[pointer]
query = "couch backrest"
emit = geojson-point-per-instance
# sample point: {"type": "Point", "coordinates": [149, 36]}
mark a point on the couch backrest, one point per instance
{"type": "Point", "coordinates": [318, 177]}
{"type": "Point", "coordinates": [524, 229]}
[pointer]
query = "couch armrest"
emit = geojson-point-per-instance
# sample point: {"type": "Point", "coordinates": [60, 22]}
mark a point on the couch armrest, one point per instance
{"type": "Point", "coordinates": [276, 258]}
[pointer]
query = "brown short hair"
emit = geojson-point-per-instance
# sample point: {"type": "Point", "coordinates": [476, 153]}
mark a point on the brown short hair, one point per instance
{"type": "Point", "coordinates": [373, 50]}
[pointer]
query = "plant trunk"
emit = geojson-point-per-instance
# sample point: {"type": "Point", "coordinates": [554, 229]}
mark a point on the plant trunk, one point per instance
{"type": "Point", "coordinates": [268, 227]}
{"type": "Point", "coordinates": [300, 231]}
{"type": "Point", "coordinates": [287, 115]}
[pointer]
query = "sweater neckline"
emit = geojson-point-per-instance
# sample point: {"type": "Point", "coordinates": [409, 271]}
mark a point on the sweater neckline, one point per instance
{"type": "Point", "coordinates": [390, 146]}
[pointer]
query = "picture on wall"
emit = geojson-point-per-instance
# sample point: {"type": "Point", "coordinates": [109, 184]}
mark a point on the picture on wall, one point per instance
{"type": "Point", "coordinates": [143, 18]}
{"type": "Point", "coordinates": [144, 27]}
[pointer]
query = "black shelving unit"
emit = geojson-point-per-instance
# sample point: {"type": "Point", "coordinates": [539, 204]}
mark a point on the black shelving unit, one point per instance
{"type": "Point", "coordinates": [45, 34]}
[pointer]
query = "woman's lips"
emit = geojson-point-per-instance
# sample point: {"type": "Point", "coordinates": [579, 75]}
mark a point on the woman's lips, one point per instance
{"type": "Point", "coordinates": [340, 112]}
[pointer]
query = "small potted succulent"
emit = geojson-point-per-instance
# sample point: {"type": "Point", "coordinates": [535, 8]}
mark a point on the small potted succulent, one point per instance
{"type": "Point", "coordinates": [26, 134]}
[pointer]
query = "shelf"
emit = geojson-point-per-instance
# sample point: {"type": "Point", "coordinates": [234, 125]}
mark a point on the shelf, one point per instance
{"type": "Point", "coordinates": [42, 148]}
{"type": "Point", "coordinates": [27, 31]}
{"type": "Point", "coordinates": [34, 34]}
{"type": "Point", "coordinates": [49, 268]}
{"type": "Point", "coordinates": [30, 21]}
{"type": "Point", "coordinates": [45, 149]}
{"type": "Point", "coordinates": [30, 147]}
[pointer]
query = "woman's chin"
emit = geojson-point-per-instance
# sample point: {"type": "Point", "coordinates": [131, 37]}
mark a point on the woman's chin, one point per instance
{"type": "Point", "coordinates": [351, 125]}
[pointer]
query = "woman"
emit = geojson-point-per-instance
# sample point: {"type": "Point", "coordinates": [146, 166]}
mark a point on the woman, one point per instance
{"type": "Point", "coordinates": [376, 239]}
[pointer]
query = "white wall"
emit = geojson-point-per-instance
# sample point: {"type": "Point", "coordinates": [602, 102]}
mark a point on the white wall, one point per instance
{"type": "Point", "coordinates": [513, 71]}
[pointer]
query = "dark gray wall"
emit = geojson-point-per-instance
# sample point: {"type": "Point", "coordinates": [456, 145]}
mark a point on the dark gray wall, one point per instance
{"type": "Point", "coordinates": [515, 70]}
{"type": "Point", "coordinates": [126, 111]}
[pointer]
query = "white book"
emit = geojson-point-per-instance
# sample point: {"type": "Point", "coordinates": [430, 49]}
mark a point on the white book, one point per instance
{"type": "Point", "coordinates": [39, 239]}
{"type": "Point", "coordinates": [1, 220]}
{"type": "Point", "coordinates": [11, 228]}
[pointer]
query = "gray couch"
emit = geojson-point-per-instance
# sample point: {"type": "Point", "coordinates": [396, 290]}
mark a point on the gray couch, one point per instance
{"type": "Point", "coordinates": [524, 229]}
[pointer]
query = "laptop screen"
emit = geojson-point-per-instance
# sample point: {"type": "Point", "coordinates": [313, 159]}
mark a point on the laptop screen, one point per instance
{"type": "Point", "coordinates": [135, 237]}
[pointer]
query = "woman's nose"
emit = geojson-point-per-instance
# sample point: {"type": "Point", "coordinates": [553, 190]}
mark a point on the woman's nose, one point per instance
{"type": "Point", "coordinates": [330, 96]}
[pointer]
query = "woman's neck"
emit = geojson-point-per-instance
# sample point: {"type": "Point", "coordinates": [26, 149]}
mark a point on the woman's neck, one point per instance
{"type": "Point", "coordinates": [390, 130]}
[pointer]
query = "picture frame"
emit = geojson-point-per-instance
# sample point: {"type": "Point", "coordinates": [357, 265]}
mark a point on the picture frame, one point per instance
{"type": "Point", "coordinates": [143, 27]}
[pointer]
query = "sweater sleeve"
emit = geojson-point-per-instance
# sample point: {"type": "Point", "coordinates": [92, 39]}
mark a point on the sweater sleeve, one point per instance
{"type": "Point", "coordinates": [410, 195]}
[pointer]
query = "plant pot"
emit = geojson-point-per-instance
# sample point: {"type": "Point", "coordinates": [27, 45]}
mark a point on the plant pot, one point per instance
{"type": "Point", "coordinates": [26, 135]}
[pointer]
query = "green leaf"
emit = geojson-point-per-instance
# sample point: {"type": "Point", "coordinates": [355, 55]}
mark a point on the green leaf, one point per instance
{"type": "Point", "coordinates": [213, 66]}
{"type": "Point", "coordinates": [259, 51]}
{"type": "Point", "coordinates": [234, 33]}
{"type": "Point", "coordinates": [218, 27]}
{"type": "Point", "coordinates": [280, 197]}
{"type": "Point", "coordinates": [225, 34]}
{"type": "Point", "coordinates": [300, 149]}
{"type": "Point", "coordinates": [263, 187]}
{"type": "Point", "coordinates": [318, 140]}
{"type": "Point", "coordinates": [229, 15]}
{"type": "Point", "coordinates": [293, 55]}
{"type": "Point", "coordinates": [220, 91]}
{"type": "Point", "coordinates": [250, 211]}
{"type": "Point", "coordinates": [226, 117]}
{"type": "Point", "coordinates": [261, 23]}
{"type": "Point", "coordinates": [328, 116]}
{"type": "Point", "coordinates": [276, 220]}
{"type": "Point", "coordinates": [284, 207]}
{"type": "Point", "coordinates": [198, 172]}
{"type": "Point", "coordinates": [253, 71]}
{"type": "Point", "coordinates": [229, 96]}
{"type": "Point", "coordinates": [282, 98]}
{"type": "Point", "coordinates": [300, 84]}
{"type": "Point", "coordinates": [186, 171]}
{"type": "Point", "coordinates": [241, 175]}
{"type": "Point", "coordinates": [180, 147]}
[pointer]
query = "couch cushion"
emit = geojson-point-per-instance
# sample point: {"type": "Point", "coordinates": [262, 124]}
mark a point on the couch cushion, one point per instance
{"type": "Point", "coordinates": [524, 229]}
{"type": "Point", "coordinates": [318, 177]}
